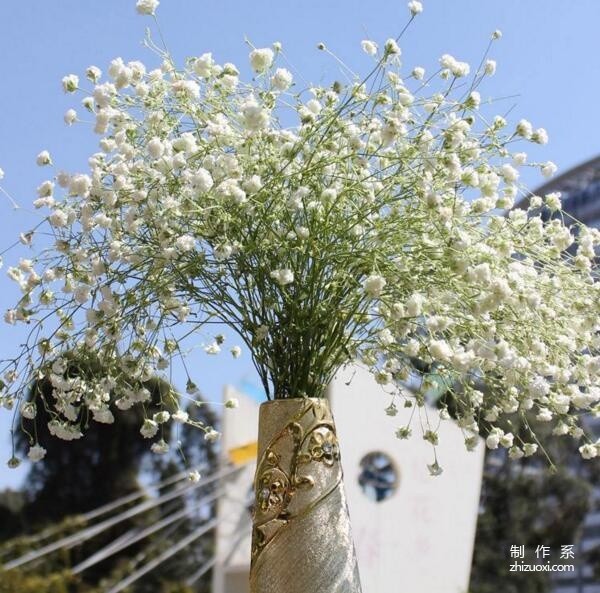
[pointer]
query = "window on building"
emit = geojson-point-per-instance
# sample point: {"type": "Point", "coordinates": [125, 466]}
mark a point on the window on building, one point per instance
{"type": "Point", "coordinates": [378, 476]}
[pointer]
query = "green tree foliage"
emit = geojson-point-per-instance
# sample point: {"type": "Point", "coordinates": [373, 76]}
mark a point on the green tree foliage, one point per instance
{"type": "Point", "coordinates": [16, 581]}
{"type": "Point", "coordinates": [11, 505]}
{"type": "Point", "coordinates": [530, 503]}
{"type": "Point", "coordinates": [524, 506]}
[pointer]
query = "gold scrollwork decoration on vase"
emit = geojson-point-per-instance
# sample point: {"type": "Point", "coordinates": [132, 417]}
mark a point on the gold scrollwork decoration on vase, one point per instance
{"type": "Point", "coordinates": [301, 528]}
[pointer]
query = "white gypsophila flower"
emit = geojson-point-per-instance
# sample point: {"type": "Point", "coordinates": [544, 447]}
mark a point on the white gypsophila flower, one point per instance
{"type": "Point", "coordinates": [418, 73]}
{"type": "Point", "coordinates": [373, 285]}
{"type": "Point", "coordinates": [180, 416]}
{"type": "Point", "coordinates": [202, 180]}
{"type": "Point", "coordinates": [548, 169]}
{"type": "Point", "coordinates": [186, 89]}
{"type": "Point", "coordinates": [160, 447]}
{"type": "Point", "coordinates": [229, 82]}
{"type": "Point", "coordinates": [461, 69]}
{"type": "Point", "coordinates": [1, 174]}
{"type": "Point", "coordinates": [544, 415]}
{"type": "Point", "coordinates": [253, 184]}
{"type": "Point", "coordinates": [283, 276]}
{"type": "Point", "coordinates": [186, 143]}
{"type": "Point", "coordinates": [509, 173]}
{"type": "Point", "coordinates": [261, 59]}
{"type": "Point", "coordinates": [194, 476]}
{"type": "Point", "coordinates": [282, 79]}
{"type": "Point", "coordinates": [211, 435]}
{"type": "Point", "coordinates": [540, 136]}
{"type": "Point", "coordinates": [230, 69]}
{"type": "Point", "coordinates": [519, 158]}
{"type": "Point", "coordinates": [515, 452]}
{"type": "Point", "coordinates": [451, 64]}
{"type": "Point", "coordinates": [156, 148]}
{"type": "Point", "coordinates": [147, 7]}
{"type": "Point", "coordinates": [255, 116]}
{"type": "Point", "coordinates": [70, 83]}
{"type": "Point", "coordinates": [213, 348]}
{"type": "Point", "coordinates": [63, 430]}
{"type": "Point", "coordinates": [474, 100]}
{"type": "Point", "coordinates": [314, 106]}
{"type": "Point", "coordinates": [493, 439]}
{"type": "Point", "coordinates": [204, 65]}
{"type": "Point", "coordinates": [185, 243]}
{"type": "Point", "coordinates": [232, 403]}
{"type": "Point", "coordinates": [302, 232]}
{"type": "Point", "coordinates": [236, 351]}
{"type": "Point", "coordinates": [161, 417]}
{"type": "Point", "coordinates": [369, 47]}
{"type": "Point", "coordinates": [535, 202]}
{"type": "Point", "coordinates": [497, 34]}
{"type": "Point", "coordinates": [524, 129]}
{"type": "Point", "coordinates": [386, 337]}
{"type": "Point", "coordinates": [80, 185]}
{"type": "Point", "coordinates": [552, 201]}
{"type": "Point", "coordinates": [43, 158]}
{"type": "Point", "coordinates": [440, 350]}
{"type": "Point", "coordinates": [45, 189]}
{"type": "Point", "coordinates": [93, 73]}
{"type": "Point", "coordinates": [588, 451]}
{"type": "Point", "coordinates": [124, 403]}
{"type": "Point", "coordinates": [560, 429]}
{"type": "Point", "coordinates": [58, 218]}
{"type": "Point", "coordinates": [490, 67]}
{"type": "Point", "coordinates": [415, 7]}
{"type": "Point", "coordinates": [223, 252]}
{"type": "Point", "coordinates": [577, 432]}
{"type": "Point", "coordinates": [149, 428]}
{"type": "Point", "coordinates": [70, 116]}
{"type": "Point", "coordinates": [36, 453]}
{"type": "Point", "coordinates": [391, 48]}
{"type": "Point", "coordinates": [103, 415]}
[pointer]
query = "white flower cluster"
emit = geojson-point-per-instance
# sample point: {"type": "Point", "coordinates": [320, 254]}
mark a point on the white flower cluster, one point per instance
{"type": "Point", "coordinates": [147, 7]}
{"type": "Point", "coordinates": [379, 226]}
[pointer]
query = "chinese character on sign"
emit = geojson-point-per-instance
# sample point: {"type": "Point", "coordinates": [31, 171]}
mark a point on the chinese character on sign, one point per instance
{"type": "Point", "coordinates": [567, 552]}
{"type": "Point", "coordinates": [517, 551]}
{"type": "Point", "coordinates": [542, 551]}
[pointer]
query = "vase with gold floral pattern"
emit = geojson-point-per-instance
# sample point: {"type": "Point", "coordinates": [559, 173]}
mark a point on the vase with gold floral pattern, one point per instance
{"type": "Point", "coordinates": [301, 538]}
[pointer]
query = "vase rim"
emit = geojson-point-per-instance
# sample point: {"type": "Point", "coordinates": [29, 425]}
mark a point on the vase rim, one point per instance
{"type": "Point", "coordinates": [295, 400]}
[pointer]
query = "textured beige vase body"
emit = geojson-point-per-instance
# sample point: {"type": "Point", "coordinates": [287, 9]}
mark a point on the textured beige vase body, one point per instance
{"type": "Point", "coordinates": [301, 538]}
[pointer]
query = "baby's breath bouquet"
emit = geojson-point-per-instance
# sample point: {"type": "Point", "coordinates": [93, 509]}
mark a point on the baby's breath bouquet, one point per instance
{"type": "Point", "coordinates": [366, 221]}
{"type": "Point", "coordinates": [369, 221]}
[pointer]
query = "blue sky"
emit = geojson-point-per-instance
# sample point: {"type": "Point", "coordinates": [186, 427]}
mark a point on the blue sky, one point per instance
{"type": "Point", "coordinates": [547, 64]}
